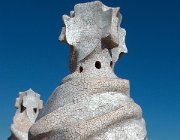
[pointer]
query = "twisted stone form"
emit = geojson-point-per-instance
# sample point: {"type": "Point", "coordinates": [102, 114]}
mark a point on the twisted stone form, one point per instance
{"type": "Point", "coordinates": [91, 103]}
{"type": "Point", "coordinates": [28, 105]}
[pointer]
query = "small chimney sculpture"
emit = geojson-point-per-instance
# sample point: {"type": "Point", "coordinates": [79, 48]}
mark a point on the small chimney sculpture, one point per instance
{"type": "Point", "coordinates": [28, 105]}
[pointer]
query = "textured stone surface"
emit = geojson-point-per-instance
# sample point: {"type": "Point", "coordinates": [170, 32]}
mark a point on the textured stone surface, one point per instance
{"type": "Point", "coordinates": [91, 103]}
{"type": "Point", "coordinates": [28, 105]}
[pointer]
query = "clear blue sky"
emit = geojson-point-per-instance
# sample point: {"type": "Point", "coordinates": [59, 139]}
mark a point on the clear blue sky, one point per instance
{"type": "Point", "coordinates": [31, 56]}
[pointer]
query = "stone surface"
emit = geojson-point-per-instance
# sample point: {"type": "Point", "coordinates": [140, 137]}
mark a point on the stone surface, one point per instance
{"type": "Point", "coordinates": [28, 105]}
{"type": "Point", "coordinates": [91, 103]}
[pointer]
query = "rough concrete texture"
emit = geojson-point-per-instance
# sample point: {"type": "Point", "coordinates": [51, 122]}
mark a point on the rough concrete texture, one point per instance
{"type": "Point", "coordinates": [28, 105]}
{"type": "Point", "coordinates": [91, 103]}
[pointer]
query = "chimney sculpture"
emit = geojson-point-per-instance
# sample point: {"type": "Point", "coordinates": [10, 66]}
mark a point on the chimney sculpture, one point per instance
{"type": "Point", "coordinates": [91, 103]}
{"type": "Point", "coordinates": [28, 105]}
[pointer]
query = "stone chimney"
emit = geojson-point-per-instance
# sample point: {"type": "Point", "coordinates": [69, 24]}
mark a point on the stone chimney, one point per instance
{"type": "Point", "coordinates": [91, 103]}
{"type": "Point", "coordinates": [27, 106]}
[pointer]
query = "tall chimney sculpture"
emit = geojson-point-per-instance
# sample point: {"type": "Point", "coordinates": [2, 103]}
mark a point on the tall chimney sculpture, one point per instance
{"type": "Point", "coordinates": [91, 103]}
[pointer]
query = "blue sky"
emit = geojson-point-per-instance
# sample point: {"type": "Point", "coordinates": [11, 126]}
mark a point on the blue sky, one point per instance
{"type": "Point", "coordinates": [31, 56]}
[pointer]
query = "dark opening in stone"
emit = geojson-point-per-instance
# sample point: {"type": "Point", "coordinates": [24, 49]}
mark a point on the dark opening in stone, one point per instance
{"type": "Point", "coordinates": [80, 69]}
{"type": "Point", "coordinates": [98, 64]}
{"type": "Point", "coordinates": [22, 108]}
{"type": "Point", "coordinates": [35, 110]}
{"type": "Point", "coordinates": [111, 64]}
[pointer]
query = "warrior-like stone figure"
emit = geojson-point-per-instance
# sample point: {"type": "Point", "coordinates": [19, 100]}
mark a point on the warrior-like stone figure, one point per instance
{"type": "Point", "coordinates": [28, 105]}
{"type": "Point", "coordinates": [91, 103]}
